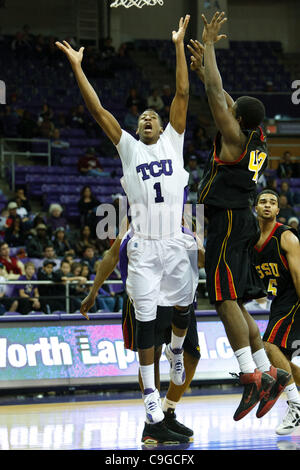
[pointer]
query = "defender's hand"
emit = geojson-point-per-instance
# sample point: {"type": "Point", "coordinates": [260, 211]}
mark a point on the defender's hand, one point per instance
{"type": "Point", "coordinates": [211, 30]}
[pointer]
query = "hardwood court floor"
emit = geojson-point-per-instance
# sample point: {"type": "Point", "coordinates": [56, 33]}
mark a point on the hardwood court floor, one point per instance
{"type": "Point", "coordinates": [113, 425]}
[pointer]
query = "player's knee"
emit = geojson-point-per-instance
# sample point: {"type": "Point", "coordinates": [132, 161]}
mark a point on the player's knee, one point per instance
{"type": "Point", "coordinates": [145, 334]}
{"type": "Point", "coordinates": [181, 317]}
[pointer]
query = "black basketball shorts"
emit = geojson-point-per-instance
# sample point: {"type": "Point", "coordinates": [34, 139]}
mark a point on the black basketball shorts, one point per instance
{"type": "Point", "coordinates": [163, 329]}
{"type": "Point", "coordinates": [231, 235]}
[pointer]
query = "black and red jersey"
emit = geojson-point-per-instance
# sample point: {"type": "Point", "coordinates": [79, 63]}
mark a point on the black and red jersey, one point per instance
{"type": "Point", "coordinates": [272, 267]}
{"type": "Point", "coordinates": [232, 185]}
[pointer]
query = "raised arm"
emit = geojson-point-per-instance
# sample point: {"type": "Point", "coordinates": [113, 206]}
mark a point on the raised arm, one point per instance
{"type": "Point", "coordinates": [104, 118]}
{"type": "Point", "coordinates": [291, 245]}
{"type": "Point", "coordinates": [223, 116]}
{"type": "Point", "coordinates": [105, 268]}
{"type": "Point", "coordinates": [197, 66]}
{"type": "Point", "coordinates": [179, 106]}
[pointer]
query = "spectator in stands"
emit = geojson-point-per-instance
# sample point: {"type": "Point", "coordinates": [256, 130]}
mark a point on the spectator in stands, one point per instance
{"type": "Point", "coordinates": [294, 222]}
{"type": "Point", "coordinates": [28, 37]}
{"type": "Point", "coordinates": [7, 304]}
{"type": "Point", "coordinates": [13, 266]}
{"type": "Point", "coordinates": [49, 299]}
{"type": "Point", "coordinates": [36, 244]}
{"type": "Point", "coordinates": [85, 240]}
{"type": "Point", "coordinates": [39, 46]}
{"type": "Point", "coordinates": [287, 169]}
{"type": "Point", "coordinates": [28, 293]}
{"type": "Point", "coordinates": [154, 101]}
{"type": "Point", "coordinates": [272, 184]}
{"type": "Point", "coordinates": [285, 210]}
{"type": "Point", "coordinates": [66, 275]}
{"type": "Point", "coordinates": [108, 50]}
{"type": "Point", "coordinates": [286, 191]}
{"type": "Point", "coordinates": [167, 99]}
{"type": "Point", "coordinates": [86, 204]}
{"type": "Point", "coordinates": [89, 164]}
{"type": "Point", "coordinates": [80, 120]}
{"type": "Point", "coordinates": [21, 210]}
{"type": "Point", "coordinates": [194, 170]}
{"type": "Point", "coordinates": [69, 259]}
{"type": "Point", "coordinates": [3, 219]}
{"type": "Point", "coordinates": [135, 99]}
{"type": "Point", "coordinates": [104, 300]}
{"type": "Point", "coordinates": [61, 245]}
{"type": "Point", "coordinates": [57, 145]}
{"type": "Point", "coordinates": [15, 235]}
{"type": "Point", "coordinates": [55, 218]}
{"type": "Point", "coordinates": [46, 128]}
{"type": "Point", "coordinates": [27, 128]}
{"type": "Point", "coordinates": [20, 193]}
{"type": "Point", "coordinates": [201, 140]}
{"type": "Point", "coordinates": [49, 253]}
{"type": "Point", "coordinates": [46, 113]}
{"type": "Point", "coordinates": [131, 119]}
{"type": "Point", "coordinates": [20, 44]}
{"type": "Point", "coordinates": [12, 213]}
{"type": "Point", "coordinates": [89, 257]}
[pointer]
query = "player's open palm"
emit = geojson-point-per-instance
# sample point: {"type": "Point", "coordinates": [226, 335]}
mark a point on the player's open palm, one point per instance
{"type": "Point", "coordinates": [75, 57]}
{"type": "Point", "coordinates": [178, 36]}
{"type": "Point", "coordinates": [211, 30]}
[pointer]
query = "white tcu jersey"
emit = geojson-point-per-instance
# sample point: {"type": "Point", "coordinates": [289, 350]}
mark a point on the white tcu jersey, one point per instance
{"type": "Point", "coordinates": [155, 183]}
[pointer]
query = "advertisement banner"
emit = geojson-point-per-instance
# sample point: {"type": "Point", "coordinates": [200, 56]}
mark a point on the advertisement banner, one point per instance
{"type": "Point", "coordinates": [69, 354]}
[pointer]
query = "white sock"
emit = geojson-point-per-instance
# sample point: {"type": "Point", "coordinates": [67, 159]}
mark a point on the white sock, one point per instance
{"type": "Point", "coordinates": [261, 360]}
{"type": "Point", "coordinates": [177, 341]}
{"type": "Point", "coordinates": [147, 375]}
{"type": "Point", "coordinates": [244, 358]}
{"type": "Point", "coordinates": [292, 393]}
{"type": "Point", "coordinates": [168, 404]}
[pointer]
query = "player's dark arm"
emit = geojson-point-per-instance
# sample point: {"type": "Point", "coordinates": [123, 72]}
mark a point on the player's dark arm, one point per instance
{"type": "Point", "coordinates": [104, 118]}
{"type": "Point", "coordinates": [104, 270]}
{"type": "Point", "coordinates": [197, 66]}
{"type": "Point", "coordinates": [223, 117]}
{"type": "Point", "coordinates": [291, 245]}
{"type": "Point", "coordinates": [179, 106]}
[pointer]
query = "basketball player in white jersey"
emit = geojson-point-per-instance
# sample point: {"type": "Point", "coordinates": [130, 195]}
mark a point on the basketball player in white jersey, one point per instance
{"type": "Point", "coordinates": [159, 268]}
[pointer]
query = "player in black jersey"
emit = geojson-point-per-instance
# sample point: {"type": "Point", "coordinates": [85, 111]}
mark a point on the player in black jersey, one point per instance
{"type": "Point", "coordinates": [228, 191]}
{"type": "Point", "coordinates": [277, 260]}
{"type": "Point", "coordinates": [170, 430]}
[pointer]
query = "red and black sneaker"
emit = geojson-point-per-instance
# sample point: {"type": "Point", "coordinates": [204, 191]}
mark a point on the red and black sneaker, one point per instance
{"type": "Point", "coordinates": [256, 385]}
{"type": "Point", "coordinates": [281, 378]}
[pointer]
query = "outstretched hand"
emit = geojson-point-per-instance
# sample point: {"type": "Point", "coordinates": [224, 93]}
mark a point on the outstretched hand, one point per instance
{"type": "Point", "coordinates": [211, 30]}
{"type": "Point", "coordinates": [197, 51]}
{"type": "Point", "coordinates": [75, 57]}
{"type": "Point", "coordinates": [178, 36]}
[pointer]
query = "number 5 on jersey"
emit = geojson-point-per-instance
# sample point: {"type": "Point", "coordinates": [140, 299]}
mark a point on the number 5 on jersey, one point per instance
{"type": "Point", "coordinates": [256, 162]}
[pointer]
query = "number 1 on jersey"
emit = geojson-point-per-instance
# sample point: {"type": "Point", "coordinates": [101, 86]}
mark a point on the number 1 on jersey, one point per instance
{"type": "Point", "coordinates": [159, 197]}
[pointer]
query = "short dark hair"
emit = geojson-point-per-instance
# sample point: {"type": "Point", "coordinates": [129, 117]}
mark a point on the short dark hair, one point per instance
{"type": "Point", "coordinates": [251, 110]}
{"type": "Point", "coordinates": [267, 191]}
{"type": "Point", "coordinates": [153, 111]}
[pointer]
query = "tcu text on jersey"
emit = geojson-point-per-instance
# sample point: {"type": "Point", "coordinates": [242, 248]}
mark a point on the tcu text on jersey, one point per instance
{"type": "Point", "coordinates": [155, 169]}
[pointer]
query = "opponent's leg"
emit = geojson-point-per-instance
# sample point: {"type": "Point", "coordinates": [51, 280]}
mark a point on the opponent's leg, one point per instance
{"type": "Point", "coordinates": [280, 375]}
{"type": "Point", "coordinates": [256, 384]}
{"type": "Point", "coordinates": [291, 420]}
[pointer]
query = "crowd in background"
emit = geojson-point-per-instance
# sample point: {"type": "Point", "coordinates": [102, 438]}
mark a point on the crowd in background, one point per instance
{"type": "Point", "coordinates": [47, 247]}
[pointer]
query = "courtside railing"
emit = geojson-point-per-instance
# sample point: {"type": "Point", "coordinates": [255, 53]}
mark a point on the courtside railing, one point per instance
{"type": "Point", "coordinates": [66, 284]}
